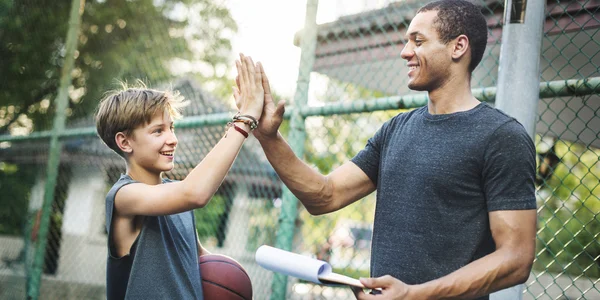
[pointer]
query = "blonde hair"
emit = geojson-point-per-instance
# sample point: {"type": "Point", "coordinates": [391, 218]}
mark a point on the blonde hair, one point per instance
{"type": "Point", "coordinates": [126, 109]}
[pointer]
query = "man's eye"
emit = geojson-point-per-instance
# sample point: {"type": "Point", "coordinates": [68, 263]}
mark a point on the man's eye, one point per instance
{"type": "Point", "coordinates": [418, 42]}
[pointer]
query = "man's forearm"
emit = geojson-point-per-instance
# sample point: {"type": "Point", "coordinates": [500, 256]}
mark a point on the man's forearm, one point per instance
{"type": "Point", "coordinates": [491, 273]}
{"type": "Point", "coordinates": [307, 184]}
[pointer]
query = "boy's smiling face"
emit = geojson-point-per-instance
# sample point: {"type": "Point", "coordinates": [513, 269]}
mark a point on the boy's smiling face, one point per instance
{"type": "Point", "coordinates": [153, 145]}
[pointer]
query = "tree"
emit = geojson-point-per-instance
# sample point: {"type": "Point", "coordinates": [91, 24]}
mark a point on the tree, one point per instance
{"type": "Point", "coordinates": [126, 40]}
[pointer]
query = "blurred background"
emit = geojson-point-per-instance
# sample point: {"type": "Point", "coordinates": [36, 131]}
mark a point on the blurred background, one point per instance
{"type": "Point", "coordinates": [336, 63]}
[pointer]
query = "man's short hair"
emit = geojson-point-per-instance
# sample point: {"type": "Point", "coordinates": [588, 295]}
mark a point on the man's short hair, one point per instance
{"type": "Point", "coordinates": [456, 17]}
{"type": "Point", "coordinates": [130, 107]}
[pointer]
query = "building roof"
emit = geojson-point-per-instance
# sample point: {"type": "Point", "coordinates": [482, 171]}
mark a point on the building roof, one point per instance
{"type": "Point", "coordinates": [194, 144]}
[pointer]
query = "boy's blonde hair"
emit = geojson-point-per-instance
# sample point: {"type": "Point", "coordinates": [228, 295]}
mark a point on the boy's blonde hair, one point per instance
{"type": "Point", "coordinates": [130, 107]}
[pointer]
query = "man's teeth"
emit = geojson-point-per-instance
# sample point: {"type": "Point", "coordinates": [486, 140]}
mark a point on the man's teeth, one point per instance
{"type": "Point", "coordinates": [413, 68]}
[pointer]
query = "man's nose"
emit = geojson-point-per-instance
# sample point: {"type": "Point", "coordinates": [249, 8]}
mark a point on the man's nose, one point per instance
{"type": "Point", "coordinates": [407, 52]}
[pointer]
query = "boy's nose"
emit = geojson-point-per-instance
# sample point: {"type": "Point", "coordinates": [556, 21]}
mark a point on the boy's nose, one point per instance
{"type": "Point", "coordinates": [172, 139]}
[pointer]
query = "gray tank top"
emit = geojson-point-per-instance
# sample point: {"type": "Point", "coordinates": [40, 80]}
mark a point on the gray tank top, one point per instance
{"type": "Point", "coordinates": [163, 260]}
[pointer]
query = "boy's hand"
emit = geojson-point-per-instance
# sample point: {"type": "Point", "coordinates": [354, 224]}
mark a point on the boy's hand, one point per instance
{"type": "Point", "coordinates": [272, 115]}
{"type": "Point", "coordinates": [249, 94]}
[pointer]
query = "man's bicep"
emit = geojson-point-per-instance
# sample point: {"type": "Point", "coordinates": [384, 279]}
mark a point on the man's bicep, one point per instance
{"type": "Point", "coordinates": [514, 229]}
{"type": "Point", "coordinates": [350, 183]}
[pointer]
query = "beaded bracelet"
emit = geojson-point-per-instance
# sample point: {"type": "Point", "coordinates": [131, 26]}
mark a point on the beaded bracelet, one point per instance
{"type": "Point", "coordinates": [246, 119]}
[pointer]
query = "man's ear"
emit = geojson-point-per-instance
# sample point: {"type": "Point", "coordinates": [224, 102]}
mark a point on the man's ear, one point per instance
{"type": "Point", "coordinates": [460, 47]}
{"type": "Point", "coordinates": [123, 142]}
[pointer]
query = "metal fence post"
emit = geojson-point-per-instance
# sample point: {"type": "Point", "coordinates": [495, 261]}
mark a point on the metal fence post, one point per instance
{"type": "Point", "coordinates": [519, 69]}
{"type": "Point", "coordinates": [297, 138]}
{"type": "Point", "coordinates": [62, 101]}
{"type": "Point", "coordinates": [519, 76]}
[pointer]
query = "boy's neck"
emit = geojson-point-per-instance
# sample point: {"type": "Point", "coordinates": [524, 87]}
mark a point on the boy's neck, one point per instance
{"type": "Point", "coordinates": [144, 176]}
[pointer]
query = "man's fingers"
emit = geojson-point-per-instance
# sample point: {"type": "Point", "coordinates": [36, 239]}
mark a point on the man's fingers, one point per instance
{"type": "Point", "coordinates": [356, 291]}
{"type": "Point", "coordinates": [280, 109]}
{"type": "Point", "coordinates": [379, 282]}
{"type": "Point", "coordinates": [265, 80]}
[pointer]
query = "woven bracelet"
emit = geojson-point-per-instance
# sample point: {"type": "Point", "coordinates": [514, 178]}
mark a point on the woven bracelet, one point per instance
{"type": "Point", "coordinates": [247, 119]}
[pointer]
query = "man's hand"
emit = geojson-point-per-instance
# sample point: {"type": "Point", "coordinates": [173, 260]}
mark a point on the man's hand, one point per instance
{"type": "Point", "coordinates": [385, 287]}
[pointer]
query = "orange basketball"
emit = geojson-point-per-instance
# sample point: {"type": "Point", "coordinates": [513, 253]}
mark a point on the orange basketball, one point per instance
{"type": "Point", "coordinates": [223, 278]}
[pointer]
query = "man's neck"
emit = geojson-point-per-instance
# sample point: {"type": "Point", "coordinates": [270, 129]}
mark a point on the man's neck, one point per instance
{"type": "Point", "coordinates": [454, 96]}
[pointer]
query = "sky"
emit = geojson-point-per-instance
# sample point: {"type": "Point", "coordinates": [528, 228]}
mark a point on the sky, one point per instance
{"type": "Point", "coordinates": [266, 31]}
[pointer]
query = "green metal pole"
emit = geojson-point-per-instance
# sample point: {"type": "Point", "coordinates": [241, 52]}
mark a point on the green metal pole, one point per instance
{"type": "Point", "coordinates": [297, 138]}
{"type": "Point", "coordinates": [62, 101]}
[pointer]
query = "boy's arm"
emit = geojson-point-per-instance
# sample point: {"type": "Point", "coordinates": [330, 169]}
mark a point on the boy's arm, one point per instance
{"type": "Point", "coordinates": [193, 192]}
{"type": "Point", "coordinates": [203, 181]}
{"type": "Point", "coordinates": [201, 250]}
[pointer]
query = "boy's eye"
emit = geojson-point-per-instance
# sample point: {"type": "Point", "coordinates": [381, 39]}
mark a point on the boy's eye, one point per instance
{"type": "Point", "coordinates": [157, 131]}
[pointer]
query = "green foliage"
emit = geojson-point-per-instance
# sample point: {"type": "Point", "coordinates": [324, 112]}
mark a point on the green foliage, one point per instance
{"type": "Point", "coordinates": [569, 217]}
{"type": "Point", "coordinates": [15, 186]}
{"type": "Point", "coordinates": [209, 217]}
{"type": "Point", "coordinates": [263, 225]}
{"type": "Point", "coordinates": [118, 40]}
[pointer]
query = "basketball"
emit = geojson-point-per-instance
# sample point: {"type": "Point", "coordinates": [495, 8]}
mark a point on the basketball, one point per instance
{"type": "Point", "coordinates": [223, 278]}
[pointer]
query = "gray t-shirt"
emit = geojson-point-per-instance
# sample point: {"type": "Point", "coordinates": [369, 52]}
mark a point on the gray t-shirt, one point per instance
{"type": "Point", "coordinates": [163, 261]}
{"type": "Point", "coordinates": [437, 178]}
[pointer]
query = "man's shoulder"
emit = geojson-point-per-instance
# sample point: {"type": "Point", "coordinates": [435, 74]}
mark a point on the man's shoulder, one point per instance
{"type": "Point", "coordinates": [499, 122]}
{"type": "Point", "coordinates": [406, 116]}
{"type": "Point", "coordinates": [495, 115]}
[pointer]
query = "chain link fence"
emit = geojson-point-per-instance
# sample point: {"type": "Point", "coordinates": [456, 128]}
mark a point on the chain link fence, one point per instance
{"type": "Point", "coordinates": [357, 82]}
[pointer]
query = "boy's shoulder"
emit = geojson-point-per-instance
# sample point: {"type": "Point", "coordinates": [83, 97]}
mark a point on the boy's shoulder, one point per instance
{"type": "Point", "coordinates": [123, 180]}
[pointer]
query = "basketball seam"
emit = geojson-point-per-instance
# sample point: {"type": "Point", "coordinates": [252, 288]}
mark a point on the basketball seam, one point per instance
{"type": "Point", "coordinates": [214, 283]}
{"type": "Point", "coordinates": [229, 263]}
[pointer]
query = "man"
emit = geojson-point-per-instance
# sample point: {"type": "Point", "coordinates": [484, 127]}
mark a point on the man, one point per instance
{"type": "Point", "coordinates": [455, 215]}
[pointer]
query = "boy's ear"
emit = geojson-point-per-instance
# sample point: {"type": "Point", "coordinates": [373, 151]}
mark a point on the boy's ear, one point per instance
{"type": "Point", "coordinates": [123, 142]}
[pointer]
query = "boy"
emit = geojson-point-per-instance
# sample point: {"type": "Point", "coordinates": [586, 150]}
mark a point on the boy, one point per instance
{"type": "Point", "coordinates": [153, 247]}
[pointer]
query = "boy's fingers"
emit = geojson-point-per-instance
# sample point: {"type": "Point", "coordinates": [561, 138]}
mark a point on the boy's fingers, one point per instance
{"type": "Point", "coordinates": [258, 76]}
{"type": "Point", "coordinates": [236, 93]}
{"type": "Point", "coordinates": [240, 77]}
{"type": "Point", "coordinates": [243, 74]}
{"type": "Point", "coordinates": [250, 69]}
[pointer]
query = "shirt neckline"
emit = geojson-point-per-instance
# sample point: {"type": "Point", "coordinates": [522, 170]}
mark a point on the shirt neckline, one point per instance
{"type": "Point", "coordinates": [440, 117]}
